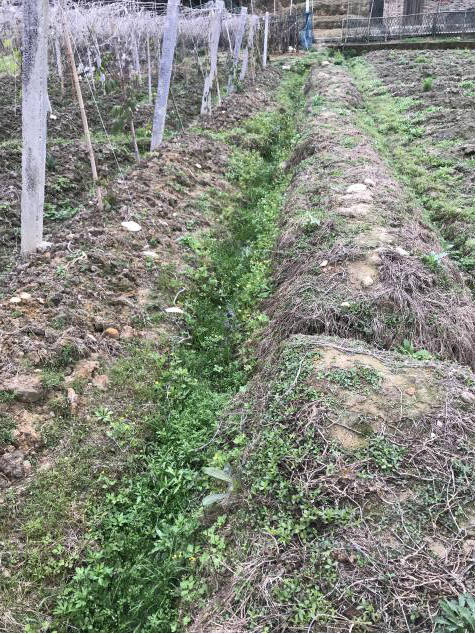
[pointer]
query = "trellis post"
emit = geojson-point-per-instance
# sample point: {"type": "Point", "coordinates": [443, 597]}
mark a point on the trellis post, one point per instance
{"type": "Point", "coordinates": [236, 52]}
{"type": "Point", "coordinates": [59, 63]}
{"type": "Point", "coordinates": [249, 46]}
{"type": "Point", "coordinates": [165, 71]}
{"type": "Point", "coordinates": [34, 109]}
{"type": "Point", "coordinates": [265, 39]}
{"type": "Point", "coordinates": [215, 26]}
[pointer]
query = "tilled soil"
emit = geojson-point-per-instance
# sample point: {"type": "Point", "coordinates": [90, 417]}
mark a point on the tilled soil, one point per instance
{"type": "Point", "coordinates": [68, 173]}
{"type": "Point", "coordinates": [95, 285]}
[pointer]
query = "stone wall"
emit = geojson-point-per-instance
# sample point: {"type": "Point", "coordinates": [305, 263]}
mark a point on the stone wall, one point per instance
{"type": "Point", "coordinates": [395, 7]}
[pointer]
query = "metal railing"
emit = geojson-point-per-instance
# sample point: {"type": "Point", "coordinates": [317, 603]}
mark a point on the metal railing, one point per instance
{"type": "Point", "coordinates": [398, 27]}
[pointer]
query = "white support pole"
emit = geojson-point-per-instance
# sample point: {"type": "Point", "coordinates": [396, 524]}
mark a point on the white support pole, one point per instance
{"type": "Point", "coordinates": [215, 27]}
{"type": "Point", "coordinates": [236, 53]}
{"type": "Point", "coordinates": [59, 63]}
{"type": "Point", "coordinates": [265, 39]}
{"type": "Point", "coordinates": [249, 46]}
{"type": "Point", "coordinates": [165, 72]}
{"type": "Point", "coordinates": [149, 69]}
{"type": "Point", "coordinates": [34, 108]}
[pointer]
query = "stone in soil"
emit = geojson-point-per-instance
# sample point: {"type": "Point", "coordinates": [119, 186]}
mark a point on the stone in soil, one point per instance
{"type": "Point", "coordinates": [26, 388]}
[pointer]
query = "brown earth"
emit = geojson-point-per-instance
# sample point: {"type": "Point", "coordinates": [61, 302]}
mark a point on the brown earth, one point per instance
{"type": "Point", "coordinates": [97, 286]}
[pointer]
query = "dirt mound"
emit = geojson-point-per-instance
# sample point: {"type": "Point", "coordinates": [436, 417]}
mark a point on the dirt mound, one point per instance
{"type": "Point", "coordinates": [355, 507]}
{"type": "Point", "coordinates": [354, 258]}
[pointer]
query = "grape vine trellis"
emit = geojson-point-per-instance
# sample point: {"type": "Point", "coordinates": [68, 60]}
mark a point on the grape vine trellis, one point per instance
{"type": "Point", "coordinates": [116, 42]}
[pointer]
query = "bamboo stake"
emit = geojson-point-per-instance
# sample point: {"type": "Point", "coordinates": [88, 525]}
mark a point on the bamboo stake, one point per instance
{"type": "Point", "coordinates": [79, 96]}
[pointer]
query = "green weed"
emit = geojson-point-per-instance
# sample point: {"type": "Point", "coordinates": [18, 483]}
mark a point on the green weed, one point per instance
{"type": "Point", "coordinates": [145, 530]}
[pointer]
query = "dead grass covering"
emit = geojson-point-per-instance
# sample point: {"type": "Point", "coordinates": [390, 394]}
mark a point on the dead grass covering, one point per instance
{"type": "Point", "coordinates": [359, 263]}
{"type": "Point", "coordinates": [355, 511]}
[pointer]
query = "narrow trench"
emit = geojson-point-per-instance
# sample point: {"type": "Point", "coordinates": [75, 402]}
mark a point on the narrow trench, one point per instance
{"type": "Point", "coordinates": [198, 380]}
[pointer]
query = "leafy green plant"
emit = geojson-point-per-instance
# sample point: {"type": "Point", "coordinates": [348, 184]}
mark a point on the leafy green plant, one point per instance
{"type": "Point", "coordinates": [51, 379]}
{"type": "Point", "coordinates": [456, 615]}
{"type": "Point", "coordinates": [223, 475]}
{"type": "Point", "coordinates": [63, 212]}
{"type": "Point", "coordinates": [433, 260]}
{"type": "Point", "coordinates": [427, 84]}
{"type": "Point", "coordinates": [409, 349]}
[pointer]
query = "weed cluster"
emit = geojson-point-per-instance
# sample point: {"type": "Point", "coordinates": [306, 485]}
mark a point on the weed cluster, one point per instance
{"type": "Point", "coordinates": [144, 534]}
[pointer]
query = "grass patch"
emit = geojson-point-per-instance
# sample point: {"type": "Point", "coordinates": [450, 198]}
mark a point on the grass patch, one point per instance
{"type": "Point", "coordinates": [145, 529]}
{"type": "Point", "coordinates": [435, 177]}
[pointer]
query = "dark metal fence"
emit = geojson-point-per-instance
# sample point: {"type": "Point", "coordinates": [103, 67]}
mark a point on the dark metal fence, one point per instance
{"type": "Point", "coordinates": [398, 27]}
{"type": "Point", "coordinates": [284, 31]}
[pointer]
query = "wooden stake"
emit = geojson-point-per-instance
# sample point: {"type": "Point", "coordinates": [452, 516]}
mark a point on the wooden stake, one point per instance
{"type": "Point", "coordinates": [79, 96]}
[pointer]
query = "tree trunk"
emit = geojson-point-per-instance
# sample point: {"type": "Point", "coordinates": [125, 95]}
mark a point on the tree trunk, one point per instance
{"type": "Point", "coordinates": [34, 107]}
{"type": "Point", "coordinates": [165, 71]}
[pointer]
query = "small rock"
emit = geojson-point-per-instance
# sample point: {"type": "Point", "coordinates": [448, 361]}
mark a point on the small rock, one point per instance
{"type": "Point", "coordinates": [132, 226]}
{"type": "Point", "coordinates": [25, 436]}
{"type": "Point", "coordinates": [83, 370]}
{"type": "Point", "coordinates": [374, 258]}
{"type": "Point", "coordinates": [286, 67]}
{"type": "Point", "coordinates": [370, 182]}
{"type": "Point", "coordinates": [26, 388]}
{"type": "Point", "coordinates": [467, 397]}
{"type": "Point", "coordinates": [401, 252]}
{"type": "Point", "coordinates": [150, 254]}
{"type": "Point", "coordinates": [355, 188]}
{"type": "Point", "coordinates": [345, 304]}
{"type": "Point", "coordinates": [367, 281]}
{"type": "Point", "coordinates": [15, 300]}
{"type": "Point", "coordinates": [112, 332]}
{"type": "Point", "coordinates": [410, 391]}
{"type": "Point", "coordinates": [72, 399]}
{"type": "Point", "coordinates": [44, 246]}
{"type": "Point", "coordinates": [325, 63]}
{"type": "Point", "coordinates": [198, 166]}
{"type": "Point", "coordinates": [11, 465]}
{"type": "Point", "coordinates": [175, 309]}
{"type": "Point", "coordinates": [127, 332]}
{"type": "Point", "coordinates": [25, 296]}
{"type": "Point", "coordinates": [324, 263]}
{"type": "Point", "coordinates": [101, 381]}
